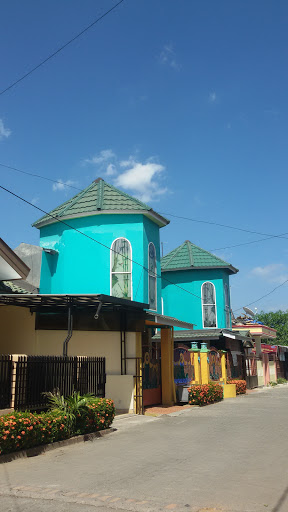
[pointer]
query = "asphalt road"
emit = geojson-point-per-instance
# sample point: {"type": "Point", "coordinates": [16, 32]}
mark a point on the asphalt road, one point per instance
{"type": "Point", "coordinates": [230, 456]}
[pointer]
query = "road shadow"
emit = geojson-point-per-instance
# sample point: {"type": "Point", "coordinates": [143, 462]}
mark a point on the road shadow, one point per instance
{"type": "Point", "coordinates": [277, 507]}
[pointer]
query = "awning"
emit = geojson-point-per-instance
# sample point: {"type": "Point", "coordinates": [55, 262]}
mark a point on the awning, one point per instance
{"type": "Point", "coordinates": [156, 320]}
{"type": "Point", "coordinates": [49, 301]}
{"type": "Point", "coordinates": [206, 334]}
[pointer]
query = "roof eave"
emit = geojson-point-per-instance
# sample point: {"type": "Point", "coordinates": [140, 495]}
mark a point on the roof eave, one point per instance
{"type": "Point", "coordinates": [233, 270]}
{"type": "Point", "coordinates": [11, 258]}
{"type": "Point", "coordinates": [155, 217]}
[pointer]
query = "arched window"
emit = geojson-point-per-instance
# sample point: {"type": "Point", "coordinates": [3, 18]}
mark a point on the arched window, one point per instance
{"type": "Point", "coordinates": [121, 269]}
{"type": "Point", "coordinates": [227, 305]}
{"type": "Point", "coordinates": [152, 276]}
{"type": "Point", "coordinates": [209, 305]}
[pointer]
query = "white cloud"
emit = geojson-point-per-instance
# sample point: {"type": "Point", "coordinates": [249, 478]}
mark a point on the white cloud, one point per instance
{"type": "Point", "coordinates": [4, 132]}
{"type": "Point", "coordinates": [63, 185]}
{"type": "Point", "coordinates": [168, 57]}
{"type": "Point", "coordinates": [142, 179]}
{"type": "Point", "coordinates": [212, 97]}
{"type": "Point", "coordinates": [104, 156]}
{"type": "Point", "coordinates": [35, 200]}
{"type": "Point", "coordinates": [273, 273]}
{"type": "Point", "coordinates": [111, 170]}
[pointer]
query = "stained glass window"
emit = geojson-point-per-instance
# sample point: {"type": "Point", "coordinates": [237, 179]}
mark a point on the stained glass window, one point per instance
{"type": "Point", "coordinates": [121, 269]}
{"type": "Point", "coordinates": [209, 305]}
{"type": "Point", "coordinates": [152, 276]}
{"type": "Point", "coordinates": [227, 305]}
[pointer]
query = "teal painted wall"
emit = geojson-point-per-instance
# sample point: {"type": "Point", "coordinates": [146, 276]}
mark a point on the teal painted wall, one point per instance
{"type": "Point", "coordinates": [186, 307]}
{"type": "Point", "coordinates": [83, 266]}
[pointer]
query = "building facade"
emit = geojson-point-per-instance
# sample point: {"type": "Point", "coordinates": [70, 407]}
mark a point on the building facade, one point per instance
{"type": "Point", "coordinates": [195, 287]}
{"type": "Point", "coordinates": [102, 241]}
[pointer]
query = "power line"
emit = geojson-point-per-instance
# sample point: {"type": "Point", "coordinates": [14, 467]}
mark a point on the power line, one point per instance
{"type": "Point", "coordinates": [248, 243]}
{"type": "Point", "coordinates": [94, 240]}
{"type": "Point", "coordinates": [61, 48]}
{"type": "Point", "coordinates": [39, 176]}
{"type": "Point", "coordinates": [221, 225]}
{"type": "Point", "coordinates": [267, 236]}
{"type": "Point", "coordinates": [130, 259]}
{"type": "Point", "coordinates": [263, 296]}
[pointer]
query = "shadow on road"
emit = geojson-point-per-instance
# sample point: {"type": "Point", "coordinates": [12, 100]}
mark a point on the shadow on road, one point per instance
{"type": "Point", "coordinates": [277, 507]}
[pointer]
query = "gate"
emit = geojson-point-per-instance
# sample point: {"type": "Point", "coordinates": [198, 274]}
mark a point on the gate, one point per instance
{"type": "Point", "coordinates": [215, 369]}
{"type": "Point", "coordinates": [151, 372]}
{"type": "Point", "coordinates": [36, 375]}
{"type": "Point", "coordinates": [183, 369]}
{"type": "Point", "coordinates": [286, 365]}
{"type": "Point", "coordinates": [5, 381]}
{"type": "Point", "coordinates": [237, 371]}
{"type": "Point", "coordinates": [251, 372]}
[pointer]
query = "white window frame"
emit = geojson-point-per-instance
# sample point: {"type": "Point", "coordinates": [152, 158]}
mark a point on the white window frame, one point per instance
{"type": "Point", "coordinates": [151, 243]}
{"type": "Point", "coordinates": [111, 262]}
{"type": "Point", "coordinates": [227, 305]}
{"type": "Point", "coordinates": [216, 326]}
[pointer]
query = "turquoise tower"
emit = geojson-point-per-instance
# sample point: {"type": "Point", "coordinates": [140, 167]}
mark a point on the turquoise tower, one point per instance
{"type": "Point", "coordinates": [102, 241]}
{"type": "Point", "coordinates": [206, 279]}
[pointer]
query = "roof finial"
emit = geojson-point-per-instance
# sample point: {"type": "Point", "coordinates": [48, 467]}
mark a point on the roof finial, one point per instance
{"type": "Point", "coordinates": [97, 180]}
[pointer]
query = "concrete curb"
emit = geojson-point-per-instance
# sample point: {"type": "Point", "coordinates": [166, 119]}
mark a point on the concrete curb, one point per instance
{"type": "Point", "coordinates": [38, 450]}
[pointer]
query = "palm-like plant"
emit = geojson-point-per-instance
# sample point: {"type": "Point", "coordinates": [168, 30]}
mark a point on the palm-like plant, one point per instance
{"type": "Point", "coordinates": [72, 406]}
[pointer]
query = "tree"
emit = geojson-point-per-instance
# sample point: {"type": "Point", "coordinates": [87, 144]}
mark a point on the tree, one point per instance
{"type": "Point", "coordinates": [279, 321]}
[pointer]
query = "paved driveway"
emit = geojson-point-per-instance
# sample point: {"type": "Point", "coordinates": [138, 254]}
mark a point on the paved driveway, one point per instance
{"type": "Point", "coordinates": [230, 456]}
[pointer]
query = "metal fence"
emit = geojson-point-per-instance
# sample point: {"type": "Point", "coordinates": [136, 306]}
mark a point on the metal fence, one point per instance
{"type": "Point", "coordinates": [5, 381]}
{"type": "Point", "coordinates": [36, 375]}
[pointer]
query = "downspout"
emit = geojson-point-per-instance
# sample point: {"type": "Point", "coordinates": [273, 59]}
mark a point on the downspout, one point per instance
{"type": "Point", "coordinates": [69, 332]}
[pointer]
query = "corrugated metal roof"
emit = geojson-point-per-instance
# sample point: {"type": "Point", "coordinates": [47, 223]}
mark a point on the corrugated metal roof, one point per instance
{"type": "Point", "coordinates": [189, 256]}
{"type": "Point", "coordinates": [98, 197]}
{"type": "Point", "coordinates": [202, 334]}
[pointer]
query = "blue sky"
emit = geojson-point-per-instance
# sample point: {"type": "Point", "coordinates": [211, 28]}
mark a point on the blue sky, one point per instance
{"type": "Point", "coordinates": [183, 104]}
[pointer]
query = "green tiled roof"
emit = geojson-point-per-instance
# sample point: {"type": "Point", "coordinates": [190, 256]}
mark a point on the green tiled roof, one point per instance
{"type": "Point", "coordinates": [10, 287]}
{"type": "Point", "coordinates": [99, 197]}
{"type": "Point", "coordinates": [189, 256]}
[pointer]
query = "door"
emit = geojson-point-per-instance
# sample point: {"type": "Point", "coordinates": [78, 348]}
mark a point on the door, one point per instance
{"type": "Point", "coordinates": [151, 371]}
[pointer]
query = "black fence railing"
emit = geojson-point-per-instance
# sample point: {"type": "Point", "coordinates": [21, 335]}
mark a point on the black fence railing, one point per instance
{"type": "Point", "coordinates": [5, 381]}
{"type": "Point", "coordinates": [36, 375]}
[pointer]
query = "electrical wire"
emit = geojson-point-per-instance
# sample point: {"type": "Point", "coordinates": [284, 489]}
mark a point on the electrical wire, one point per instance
{"type": "Point", "coordinates": [130, 259]}
{"type": "Point", "coordinates": [39, 176]}
{"type": "Point", "coordinates": [61, 48]}
{"type": "Point", "coordinates": [94, 240]}
{"type": "Point", "coordinates": [248, 243]}
{"type": "Point", "coordinates": [263, 296]}
{"type": "Point", "coordinates": [221, 225]}
{"type": "Point", "coordinates": [267, 236]}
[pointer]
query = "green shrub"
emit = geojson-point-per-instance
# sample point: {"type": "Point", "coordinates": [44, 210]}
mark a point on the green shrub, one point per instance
{"type": "Point", "coordinates": [203, 394]}
{"type": "Point", "coordinates": [280, 380]}
{"type": "Point", "coordinates": [98, 415]}
{"type": "Point", "coordinates": [75, 415]}
{"type": "Point", "coordinates": [21, 430]}
{"type": "Point", "coordinates": [240, 386]}
{"type": "Point", "coordinates": [87, 413]}
{"type": "Point", "coordinates": [272, 383]}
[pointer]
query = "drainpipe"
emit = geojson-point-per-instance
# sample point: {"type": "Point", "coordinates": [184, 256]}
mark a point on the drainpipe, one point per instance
{"type": "Point", "coordinates": [69, 333]}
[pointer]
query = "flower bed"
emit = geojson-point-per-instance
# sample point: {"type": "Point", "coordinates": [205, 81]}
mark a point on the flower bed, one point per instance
{"type": "Point", "coordinates": [204, 394]}
{"type": "Point", "coordinates": [22, 430]}
{"type": "Point", "coordinates": [97, 416]}
{"type": "Point", "coordinates": [240, 386]}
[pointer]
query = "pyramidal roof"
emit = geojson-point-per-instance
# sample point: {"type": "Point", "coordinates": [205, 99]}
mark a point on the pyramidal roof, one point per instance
{"type": "Point", "coordinates": [189, 256]}
{"type": "Point", "coordinates": [99, 197]}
